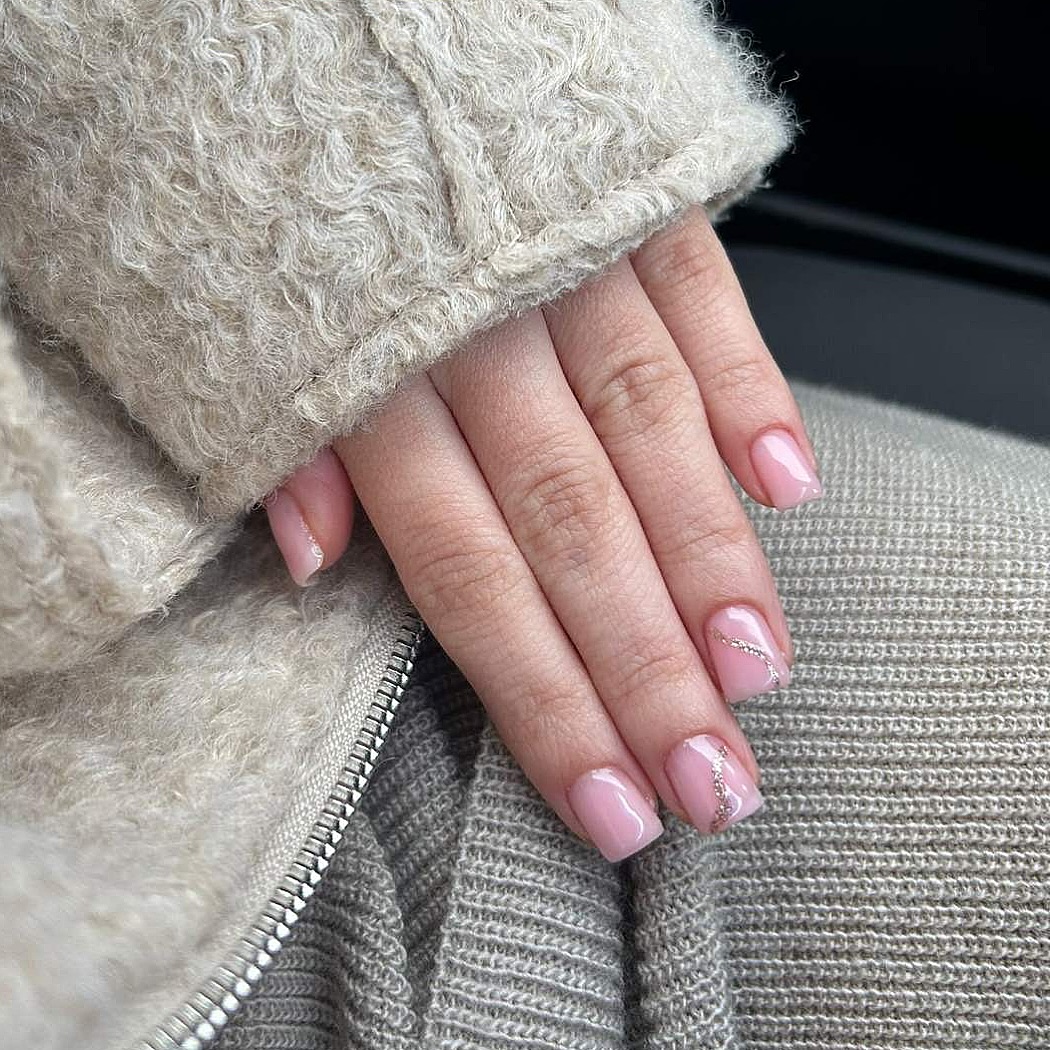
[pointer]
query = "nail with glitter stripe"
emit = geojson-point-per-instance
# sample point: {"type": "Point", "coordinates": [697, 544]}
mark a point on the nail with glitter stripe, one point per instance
{"type": "Point", "coordinates": [711, 783]}
{"type": "Point", "coordinates": [745, 655]}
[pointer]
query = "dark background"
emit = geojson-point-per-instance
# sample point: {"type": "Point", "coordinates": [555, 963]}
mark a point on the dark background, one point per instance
{"type": "Point", "coordinates": [933, 112]}
{"type": "Point", "coordinates": [903, 249]}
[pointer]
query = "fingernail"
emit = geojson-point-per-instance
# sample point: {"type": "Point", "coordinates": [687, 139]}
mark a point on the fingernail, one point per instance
{"type": "Point", "coordinates": [301, 552]}
{"type": "Point", "coordinates": [711, 783]}
{"type": "Point", "coordinates": [747, 659]}
{"type": "Point", "coordinates": [614, 812]}
{"type": "Point", "coordinates": [784, 472]}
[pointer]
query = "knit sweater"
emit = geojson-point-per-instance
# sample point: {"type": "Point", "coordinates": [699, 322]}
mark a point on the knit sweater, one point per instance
{"type": "Point", "coordinates": [228, 232]}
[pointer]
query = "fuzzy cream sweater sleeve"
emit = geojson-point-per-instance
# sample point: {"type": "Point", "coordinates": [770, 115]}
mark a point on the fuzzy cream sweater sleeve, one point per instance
{"type": "Point", "coordinates": [255, 217]}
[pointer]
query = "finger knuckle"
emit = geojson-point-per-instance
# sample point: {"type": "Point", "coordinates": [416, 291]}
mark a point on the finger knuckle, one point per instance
{"type": "Point", "coordinates": [641, 391]}
{"type": "Point", "coordinates": [735, 374]}
{"type": "Point", "coordinates": [565, 501]}
{"type": "Point", "coordinates": [689, 262]}
{"type": "Point", "coordinates": [702, 537]}
{"type": "Point", "coordinates": [463, 582]}
{"type": "Point", "coordinates": [546, 714]}
{"type": "Point", "coordinates": [695, 274]}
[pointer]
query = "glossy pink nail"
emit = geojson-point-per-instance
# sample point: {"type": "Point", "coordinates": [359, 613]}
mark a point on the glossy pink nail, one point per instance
{"type": "Point", "coordinates": [614, 812]}
{"type": "Point", "coordinates": [711, 783]}
{"type": "Point", "coordinates": [747, 659]}
{"type": "Point", "coordinates": [301, 552]}
{"type": "Point", "coordinates": [783, 470]}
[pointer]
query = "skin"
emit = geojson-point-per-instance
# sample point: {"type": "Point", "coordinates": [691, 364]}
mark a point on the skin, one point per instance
{"type": "Point", "coordinates": [564, 521]}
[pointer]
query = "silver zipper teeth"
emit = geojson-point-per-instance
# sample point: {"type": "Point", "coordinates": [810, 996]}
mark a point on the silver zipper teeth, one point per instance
{"type": "Point", "coordinates": [197, 1023]}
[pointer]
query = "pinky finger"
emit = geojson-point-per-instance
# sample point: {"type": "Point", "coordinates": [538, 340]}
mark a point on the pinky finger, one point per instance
{"type": "Point", "coordinates": [311, 516]}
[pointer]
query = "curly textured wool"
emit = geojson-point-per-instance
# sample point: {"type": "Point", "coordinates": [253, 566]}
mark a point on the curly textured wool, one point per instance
{"type": "Point", "coordinates": [153, 796]}
{"type": "Point", "coordinates": [254, 218]}
{"type": "Point", "coordinates": [893, 893]}
{"type": "Point", "coordinates": [97, 530]}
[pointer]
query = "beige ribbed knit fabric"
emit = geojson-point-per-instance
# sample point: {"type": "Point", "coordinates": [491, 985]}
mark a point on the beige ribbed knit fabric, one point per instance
{"type": "Point", "coordinates": [893, 894]}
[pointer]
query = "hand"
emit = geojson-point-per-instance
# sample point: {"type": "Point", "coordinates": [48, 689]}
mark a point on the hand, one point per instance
{"type": "Point", "coordinates": [554, 500]}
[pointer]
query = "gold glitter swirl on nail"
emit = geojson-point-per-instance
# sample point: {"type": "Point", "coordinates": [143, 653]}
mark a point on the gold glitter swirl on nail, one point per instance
{"type": "Point", "coordinates": [751, 650]}
{"type": "Point", "coordinates": [721, 817]}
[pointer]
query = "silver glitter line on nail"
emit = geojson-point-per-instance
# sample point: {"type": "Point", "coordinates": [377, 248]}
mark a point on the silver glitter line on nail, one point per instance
{"type": "Point", "coordinates": [752, 650]}
{"type": "Point", "coordinates": [721, 817]}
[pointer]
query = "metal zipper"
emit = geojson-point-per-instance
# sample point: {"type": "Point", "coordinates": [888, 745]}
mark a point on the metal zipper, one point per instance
{"type": "Point", "coordinates": [198, 1021]}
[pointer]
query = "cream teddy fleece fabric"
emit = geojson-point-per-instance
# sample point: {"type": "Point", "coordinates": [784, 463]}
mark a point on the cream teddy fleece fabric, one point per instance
{"type": "Point", "coordinates": [97, 529]}
{"type": "Point", "coordinates": [255, 217]}
{"type": "Point", "coordinates": [153, 796]}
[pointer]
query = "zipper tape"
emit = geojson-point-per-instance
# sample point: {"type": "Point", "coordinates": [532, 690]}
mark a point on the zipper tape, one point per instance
{"type": "Point", "coordinates": [198, 1021]}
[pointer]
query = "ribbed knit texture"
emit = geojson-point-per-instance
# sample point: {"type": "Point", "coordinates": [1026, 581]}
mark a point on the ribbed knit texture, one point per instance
{"type": "Point", "coordinates": [893, 894]}
{"type": "Point", "coordinates": [256, 217]}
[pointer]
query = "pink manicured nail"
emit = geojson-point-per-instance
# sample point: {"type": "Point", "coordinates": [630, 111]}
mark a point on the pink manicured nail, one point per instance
{"type": "Point", "coordinates": [785, 475]}
{"type": "Point", "coordinates": [614, 812]}
{"type": "Point", "coordinates": [747, 659]}
{"type": "Point", "coordinates": [712, 785]}
{"type": "Point", "coordinates": [301, 552]}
